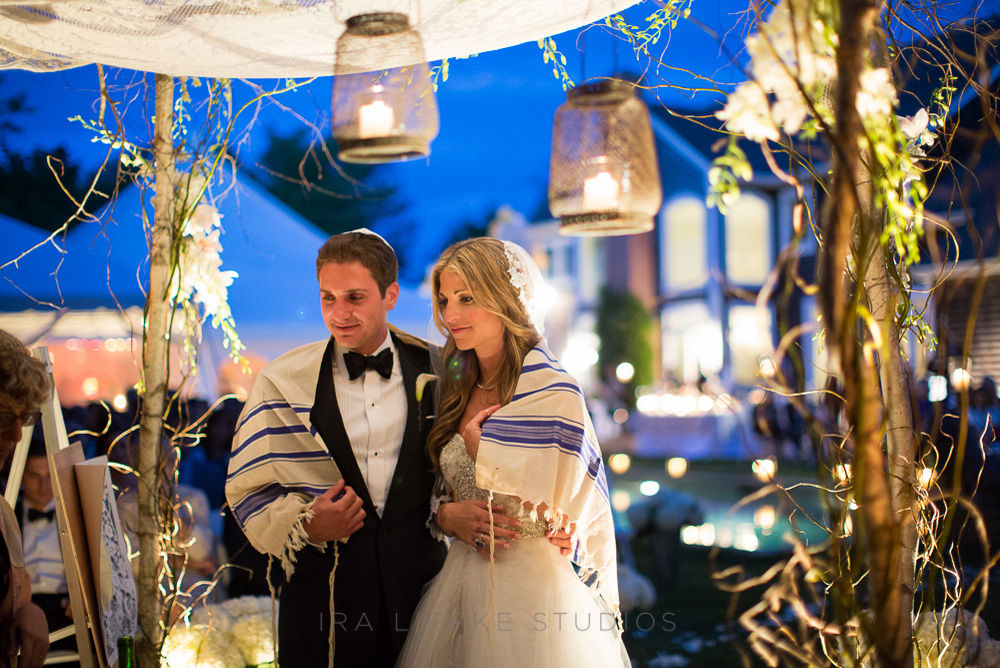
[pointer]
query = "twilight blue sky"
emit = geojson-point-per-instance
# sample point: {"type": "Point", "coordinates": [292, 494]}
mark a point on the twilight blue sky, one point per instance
{"type": "Point", "coordinates": [496, 116]}
{"type": "Point", "coordinates": [496, 113]}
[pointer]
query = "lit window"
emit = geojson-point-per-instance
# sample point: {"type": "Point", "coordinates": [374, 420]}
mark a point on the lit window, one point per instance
{"type": "Point", "coordinates": [692, 342]}
{"type": "Point", "coordinates": [748, 240]}
{"type": "Point", "coordinates": [748, 327]}
{"type": "Point", "coordinates": [686, 258]}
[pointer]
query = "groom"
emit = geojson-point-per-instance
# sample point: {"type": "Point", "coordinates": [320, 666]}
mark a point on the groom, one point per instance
{"type": "Point", "coordinates": [329, 473]}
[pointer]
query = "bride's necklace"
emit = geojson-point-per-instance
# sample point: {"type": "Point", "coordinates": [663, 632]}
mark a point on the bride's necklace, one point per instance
{"type": "Point", "coordinates": [486, 387]}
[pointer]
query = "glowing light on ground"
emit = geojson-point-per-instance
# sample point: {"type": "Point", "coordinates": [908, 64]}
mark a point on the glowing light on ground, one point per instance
{"type": "Point", "coordinates": [746, 538]}
{"type": "Point", "coordinates": [764, 469]}
{"type": "Point", "coordinates": [706, 535]}
{"type": "Point", "coordinates": [764, 517]}
{"type": "Point", "coordinates": [689, 535]}
{"type": "Point", "coordinates": [619, 463]}
{"type": "Point", "coordinates": [649, 487]}
{"type": "Point", "coordinates": [621, 500]}
{"type": "Point", "coordinates": [676, 467]}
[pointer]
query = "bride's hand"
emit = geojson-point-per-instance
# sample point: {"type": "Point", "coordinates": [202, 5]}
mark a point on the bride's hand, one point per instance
{"type": "Point", "coordinates": [474, 430]}
{"type": "Point", "coordinates": [470, 521]}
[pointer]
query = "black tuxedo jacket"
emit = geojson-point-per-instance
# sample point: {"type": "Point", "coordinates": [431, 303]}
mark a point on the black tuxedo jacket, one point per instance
{"type": "Point", "coordinates": [383, 567]}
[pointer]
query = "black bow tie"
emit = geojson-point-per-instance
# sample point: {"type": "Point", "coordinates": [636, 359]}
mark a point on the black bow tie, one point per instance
{"type": "Point", "coordinates": [47, 515]}
{"type": "Point", "coordinates": [357, 363]}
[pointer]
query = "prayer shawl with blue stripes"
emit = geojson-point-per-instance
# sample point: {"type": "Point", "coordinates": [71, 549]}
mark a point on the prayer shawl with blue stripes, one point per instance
{"type": "Point", "coordinates": [542, 448]}
{"type": "Point", "coordinates": [279, 463]}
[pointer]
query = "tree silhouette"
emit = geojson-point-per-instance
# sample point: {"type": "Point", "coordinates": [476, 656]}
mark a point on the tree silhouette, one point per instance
{"type": "Point", "coordinates": [299, 170]}
{"type": "Point", "coordinates": [32, 187]}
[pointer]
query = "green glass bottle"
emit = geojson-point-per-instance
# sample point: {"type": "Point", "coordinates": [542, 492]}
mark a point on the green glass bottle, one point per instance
{"type": "Point", "coordinates": [126, 653]}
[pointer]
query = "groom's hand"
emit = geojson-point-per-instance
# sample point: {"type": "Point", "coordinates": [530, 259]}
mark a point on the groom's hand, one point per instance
{"type": "Point", "coordinates": [335, 519]}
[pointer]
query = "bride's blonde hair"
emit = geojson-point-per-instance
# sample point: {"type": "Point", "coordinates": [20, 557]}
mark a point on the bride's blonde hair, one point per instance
{"type": "Point", "coordinates": [483, 266]}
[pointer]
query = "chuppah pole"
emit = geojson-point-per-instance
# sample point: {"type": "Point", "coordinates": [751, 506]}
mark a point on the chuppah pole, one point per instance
{"type": "Point", "coordinates": [155, 370]}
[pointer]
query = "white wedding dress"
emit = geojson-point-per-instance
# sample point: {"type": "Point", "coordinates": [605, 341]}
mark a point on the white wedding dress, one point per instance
{"type": "Point", "coordinates": [532, 610]}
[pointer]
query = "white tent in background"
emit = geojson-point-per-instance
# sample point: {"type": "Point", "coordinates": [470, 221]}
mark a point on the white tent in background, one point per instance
{"type": "Point", "coordinates": [98, 291]}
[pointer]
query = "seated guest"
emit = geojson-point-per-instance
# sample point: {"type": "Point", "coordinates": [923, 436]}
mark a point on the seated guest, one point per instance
{"type": "Point", "coordinates": [24, 386]}
{"type": "Point", "coordinates": [36, 516]}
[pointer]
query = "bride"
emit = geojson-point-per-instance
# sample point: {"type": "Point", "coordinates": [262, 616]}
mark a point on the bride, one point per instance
{"type": "Point", "coordinates": [513, 432]}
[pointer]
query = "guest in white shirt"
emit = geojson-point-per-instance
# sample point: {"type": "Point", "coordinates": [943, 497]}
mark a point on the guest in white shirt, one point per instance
{"type": "Point", "coordinates": [40, 538]}
{"type": "Point", "coordinates": [39, 533]}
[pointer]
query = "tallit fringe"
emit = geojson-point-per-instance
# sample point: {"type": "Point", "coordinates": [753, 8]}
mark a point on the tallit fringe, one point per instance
{"type": "Point", "coordinates": [274, 607]}
{"type": "Point", "coordinates": [493, 579]}
{"type": "Point", "coordinates": [333, 574]}
{"type": "Point", "coordinates": [297, 539]}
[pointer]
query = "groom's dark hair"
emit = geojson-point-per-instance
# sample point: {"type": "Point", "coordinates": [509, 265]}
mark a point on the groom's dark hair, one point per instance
{"type": "Point", "coordinates": [369, 249]}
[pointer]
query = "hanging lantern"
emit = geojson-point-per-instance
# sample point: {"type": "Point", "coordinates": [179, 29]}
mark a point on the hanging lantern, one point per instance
{"type": "Point", "coordinates": [385, 115]}
{"type": "Point", "coordinates": [603, 179]}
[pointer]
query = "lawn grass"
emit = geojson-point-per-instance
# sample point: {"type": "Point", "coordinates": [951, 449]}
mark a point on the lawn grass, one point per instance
{"type": "Point", "coordinates": [692, 617]}
{"type": "Point", "coordinates": [693, 620]}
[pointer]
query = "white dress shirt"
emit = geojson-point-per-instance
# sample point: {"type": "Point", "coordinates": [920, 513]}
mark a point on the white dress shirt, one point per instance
{"type": "Point", "coordinates": [42, 554]}
{"type": "Point", "coordinates": [374, 411]}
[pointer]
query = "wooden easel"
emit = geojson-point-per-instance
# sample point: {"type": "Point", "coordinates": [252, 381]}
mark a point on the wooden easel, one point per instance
{"type": "Point", "coordinates": [85, 626]}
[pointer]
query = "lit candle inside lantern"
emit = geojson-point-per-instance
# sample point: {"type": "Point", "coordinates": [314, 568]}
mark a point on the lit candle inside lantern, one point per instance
{"type": "Point", "coordinates": [600, 192]}
{"type": "Point", "coordinates": [375, 120]}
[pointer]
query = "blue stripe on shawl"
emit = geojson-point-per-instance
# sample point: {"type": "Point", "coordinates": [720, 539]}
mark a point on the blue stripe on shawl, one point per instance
{"type": "Point", "coordinates": [255, 502]}
{"type": "Point", "coordinates": [559, 433]}
{"type": "Point", "coordinates": [274, 405]}
{"type": "Point", "coordinates": [568, 436]}
{"type": "Point", "coordinates": [572, 388]}
{"type": "Point", "coordinates": [541, 351]}
{"type": "Point", "coordinates": [270, 431]}
{"type": "Point", "coordinates": [268, 457]}
{"type": "Point", "coordinates": [602, 482]}
{"type": "Point", "coordinates": [538, 366]}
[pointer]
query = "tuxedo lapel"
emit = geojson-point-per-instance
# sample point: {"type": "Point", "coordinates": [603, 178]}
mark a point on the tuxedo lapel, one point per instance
{"type": "Point", "coordinates": [413, 361]}
{"type": "Point", "coordinates": [325, 416]}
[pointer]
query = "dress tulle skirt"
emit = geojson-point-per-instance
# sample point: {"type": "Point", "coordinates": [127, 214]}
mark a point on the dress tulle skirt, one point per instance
{"type": "Point", "coordinates": [541, 614]}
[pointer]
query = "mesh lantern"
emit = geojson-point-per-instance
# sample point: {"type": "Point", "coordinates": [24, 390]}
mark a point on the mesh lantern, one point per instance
{"type": "Point", "coordinates": [603, 178]}
{"type": "Point", "coordinates": [387, 115]}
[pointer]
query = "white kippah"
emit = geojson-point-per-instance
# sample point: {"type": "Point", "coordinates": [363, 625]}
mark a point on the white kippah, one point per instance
{"type": "Point", "coordinates": [365, 230]}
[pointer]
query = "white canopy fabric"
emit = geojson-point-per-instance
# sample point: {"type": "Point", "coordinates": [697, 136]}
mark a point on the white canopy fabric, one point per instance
{"type": "Point", "coordinates": [264, 38]}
